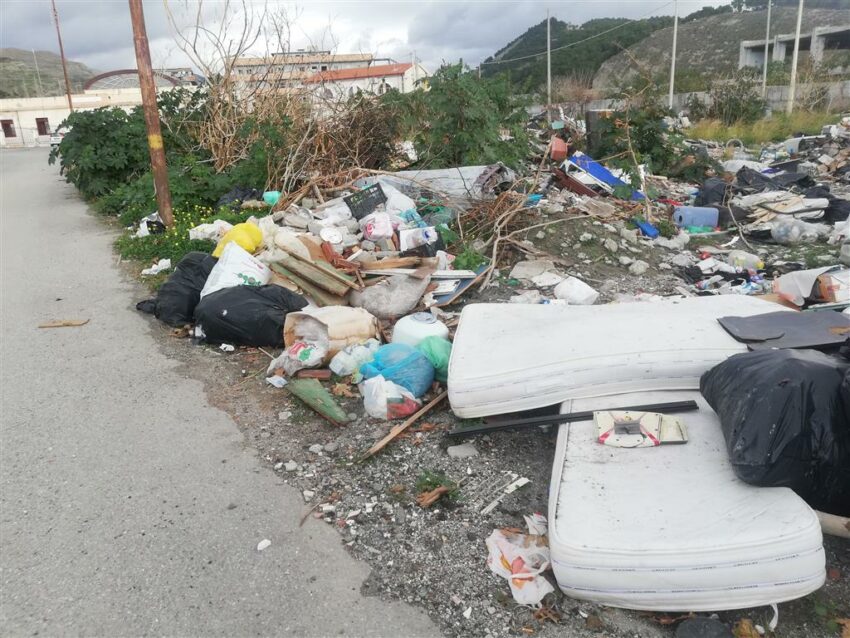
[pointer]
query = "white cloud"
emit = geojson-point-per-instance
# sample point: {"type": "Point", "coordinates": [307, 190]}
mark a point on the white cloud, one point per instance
{"type": "Point", "coordinates": [98, 33]}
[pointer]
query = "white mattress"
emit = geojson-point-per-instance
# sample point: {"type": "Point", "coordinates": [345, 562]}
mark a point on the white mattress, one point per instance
{"type": "Point", "coordinates": [671, 528]}
{"type": "Point", "coordinates": [513, 357]}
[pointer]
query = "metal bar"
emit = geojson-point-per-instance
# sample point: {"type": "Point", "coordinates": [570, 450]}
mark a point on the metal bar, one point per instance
{"type": "Point", "coordinates": [554, 419]}
{"type": "Point", "coordinates": [148, 88]}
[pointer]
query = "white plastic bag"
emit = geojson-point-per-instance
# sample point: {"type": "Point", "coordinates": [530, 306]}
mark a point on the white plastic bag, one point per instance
{"type": "Point", "coordinates": [521, 559]}
{"type": "Point", "coordinates": [236, 267]}
{"type": "Point", "coordinates": [210, 232]}
{"type": "Point", "coordinates": [348, 360]}
{"type": "Point", "coordinates": [384, 399]}
{"type": "Point", "coordinates": [575, 292]}
{"type": "Point", "coordinates": [300, 355]}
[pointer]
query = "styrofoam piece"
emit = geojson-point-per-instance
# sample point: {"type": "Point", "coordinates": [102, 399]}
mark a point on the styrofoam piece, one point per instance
{"type": "Point", "coordinates": [513, 357]}
{"type": "Point", "coordinates": [671, 528]}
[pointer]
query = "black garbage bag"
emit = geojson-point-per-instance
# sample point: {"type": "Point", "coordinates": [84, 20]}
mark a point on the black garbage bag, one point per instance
{"type": "Point", "coordinates": [247, 315]}
{"type": "Point", "coordinates": [235, 196]}
{"type": "Point", "coordinates": [785, 415]}
{"type": "Point", "coordinates": [176, 299]}
{"type": "Point", "coordinates": [714, 191]}
{"type": "Point", "coordinates": [838, 209]}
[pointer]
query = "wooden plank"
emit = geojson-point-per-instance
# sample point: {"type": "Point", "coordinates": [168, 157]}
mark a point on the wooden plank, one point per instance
{"type": "Point", "coordinates": [380, 445]}
{"type": "Point", "coordinates": [64, 323]}
{"type": "Point", "coordinates": [329, 270]}
{"type": "Point", "coordinates": [314, 274]}
{"type": "Point", "coordinates": [311, 392]}
{"type": "Point", "coordinates": [437, 274]}
{"type": "Point", "coordinates": [391, 262]}
{"type": "Point", "coordinates": [321, 297]}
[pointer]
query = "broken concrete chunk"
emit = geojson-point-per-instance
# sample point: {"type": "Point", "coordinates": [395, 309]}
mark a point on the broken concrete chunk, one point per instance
{"type": "Point", "coordinates": [639, 267]}
{"type": "Point", "coordinates": [548, 278]}
{"type": "Point", "coordinates": [625, 261]}
{"type": "Point", "coordinates": [585, 237]}
{"type": "Point", "coordinates": [528, 296]}
{"type": "Point", "coordinates": [315, 449]}
{"type": "Point", "coordinates": [527, 270]}
{"type": "Point", "coordinates": [575, 292]}
{"type": "Point", "coordinates": [290, 466]}
{"type": "Point", "coordinates": [610, 245]}
{"type": "Point", "coordinates": [462, 451]}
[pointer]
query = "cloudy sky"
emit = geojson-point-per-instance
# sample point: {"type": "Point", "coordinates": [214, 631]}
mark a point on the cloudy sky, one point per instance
{"type": "Point", "coordinates": [98, 33]}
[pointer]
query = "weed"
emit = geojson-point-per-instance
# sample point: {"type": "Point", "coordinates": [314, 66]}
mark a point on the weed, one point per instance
{"type": "Point", "coordinates": [431, 479]}
{"type": "Point", "coordinates": [775, 128]}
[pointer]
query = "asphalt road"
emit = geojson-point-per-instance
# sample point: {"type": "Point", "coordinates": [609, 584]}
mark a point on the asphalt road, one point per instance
{"type": "Point", "coordinates": [128, 505]}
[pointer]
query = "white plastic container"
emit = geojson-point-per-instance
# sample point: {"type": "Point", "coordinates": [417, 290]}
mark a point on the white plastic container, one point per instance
{"type": "Point", "coordinates": [414, 328]}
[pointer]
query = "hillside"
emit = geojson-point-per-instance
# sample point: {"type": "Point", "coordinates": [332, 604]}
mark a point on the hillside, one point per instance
{"type": "Point", "coordinates": [18, 76]}
{"type": "Point", "coordinates": [582, 60]}
{"type": "Point", "coordinates": [708, 46]}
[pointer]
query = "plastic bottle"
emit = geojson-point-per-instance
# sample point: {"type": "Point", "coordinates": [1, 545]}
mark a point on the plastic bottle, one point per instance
{"type": "Point", "coordinates": [695, 216]}
{"type": "Point", "coordinates": [743, 259]}
{"type": "Point", "coordinates": [412, 329]}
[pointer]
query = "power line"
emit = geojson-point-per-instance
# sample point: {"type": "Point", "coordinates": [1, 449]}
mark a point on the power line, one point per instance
{"type": "Point", "coordinates": [572, 44]}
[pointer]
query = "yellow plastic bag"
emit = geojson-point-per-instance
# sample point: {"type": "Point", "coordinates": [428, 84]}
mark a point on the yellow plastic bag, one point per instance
{"type": "Point", "coordinates": [247, 235]}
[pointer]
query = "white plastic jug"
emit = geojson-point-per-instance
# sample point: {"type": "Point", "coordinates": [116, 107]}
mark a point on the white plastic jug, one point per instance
{"type": "Point", "coordinates": [414, 328]}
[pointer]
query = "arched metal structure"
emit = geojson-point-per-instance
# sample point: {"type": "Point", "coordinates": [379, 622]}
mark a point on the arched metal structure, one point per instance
{"type": "Point", "coordinates": [126, 79]}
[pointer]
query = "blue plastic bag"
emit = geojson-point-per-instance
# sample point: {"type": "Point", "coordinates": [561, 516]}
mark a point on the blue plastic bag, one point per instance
{"type": "Point", "coordinates": [401, 364]}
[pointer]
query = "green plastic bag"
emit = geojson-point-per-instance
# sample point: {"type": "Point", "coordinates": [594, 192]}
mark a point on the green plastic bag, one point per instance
{"type": "Point", "coordinates": [437, 350]}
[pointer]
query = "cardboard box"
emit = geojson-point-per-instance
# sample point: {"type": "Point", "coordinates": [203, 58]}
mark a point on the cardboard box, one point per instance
{"type": "Point", "coordinates": [833, 286]}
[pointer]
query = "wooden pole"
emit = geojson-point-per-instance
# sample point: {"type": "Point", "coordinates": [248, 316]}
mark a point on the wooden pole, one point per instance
{"type": "Point", "coordinates": [62, 56]}
{"type": "Point", "coordinates": [148, 87]}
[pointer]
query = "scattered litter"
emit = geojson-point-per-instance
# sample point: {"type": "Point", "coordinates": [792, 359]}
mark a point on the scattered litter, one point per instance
{"type": "Point", "coordinates": [64, 323]}
{"type": "Point", "coordinates": [263, 544]}
{"type": "Point", "coordinates": [160, 266]}
{"type": "Point", "coordinates": [521, 559]}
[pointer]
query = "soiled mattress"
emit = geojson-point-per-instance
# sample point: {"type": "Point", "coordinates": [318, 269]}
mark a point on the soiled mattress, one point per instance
{"type": "Point", "coordinates": [513, 357]}
{"type": "Point", "coordinates": [671, 528]}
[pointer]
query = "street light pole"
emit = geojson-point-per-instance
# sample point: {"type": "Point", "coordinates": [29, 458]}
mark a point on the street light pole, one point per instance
{"type": "Point", "coordinates": [148, 88]}
{"type": "Point", "coordinates": [766, 51]}
{"type": "Point", "coordinates": [792, 85]}
{"type": "Point", "coordinates": [548, 66]}
{"type": "Point", "coordinates": [673, 57]}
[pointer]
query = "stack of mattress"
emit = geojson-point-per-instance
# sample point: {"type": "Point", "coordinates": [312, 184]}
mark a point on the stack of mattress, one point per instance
{"type": "Point", "coordinates": [659, 528]}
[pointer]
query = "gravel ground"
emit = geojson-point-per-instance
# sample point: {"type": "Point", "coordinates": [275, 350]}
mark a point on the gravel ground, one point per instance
{"type": "Point", "coordinates": [436, 557]}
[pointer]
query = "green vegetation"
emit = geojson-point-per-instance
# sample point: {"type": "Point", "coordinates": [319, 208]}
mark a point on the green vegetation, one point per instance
{"type": "Point", "coordinates": [462, 121]}
{"type": "Point", "coordinates": [431, 479]}
{"type": "Point", "coordinates": [585, 58]}
{"type": "Point", "coordinates": [19, 78]}
{"type": "Point", "coordinates": [775, 128]}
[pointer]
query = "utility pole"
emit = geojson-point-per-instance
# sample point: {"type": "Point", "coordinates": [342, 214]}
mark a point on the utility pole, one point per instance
{"type": "Point", "coordinates": [548, 67]}
{"type": "Point", "coordinates": [37, 74]}
{"type": "Point", "coordinates": [792, 86]}
{"type": "Point", "coordinates": [62, 55]}
{"type": "Point", "coordinates": [673, 57]}
{"type": "Point", "coordinates": [766, 51]}
{"type": "Point", "coordinates": [148, 87]}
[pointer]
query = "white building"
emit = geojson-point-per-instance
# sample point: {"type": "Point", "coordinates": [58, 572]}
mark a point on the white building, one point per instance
{"type": "Point", "coordinates": [30, 121]}
{"type": "Point", "coordinates": [342, 83]}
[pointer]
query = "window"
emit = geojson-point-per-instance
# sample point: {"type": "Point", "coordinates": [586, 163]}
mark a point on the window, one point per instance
{"type": "Point", "coordinates": [8, 128]}
{"type": "Point", "coordinates": [324, 67]}
{"type": "Point", "coordinates": [42, 125]}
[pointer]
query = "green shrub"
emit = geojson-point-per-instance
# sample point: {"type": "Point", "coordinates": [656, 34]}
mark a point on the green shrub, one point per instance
{"type": "Point", "coordinates": [737, 99]}
{"type": "Point", "coordinates": [464, 121]}
{"type": "Point", "coordinates": [102, 149]}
